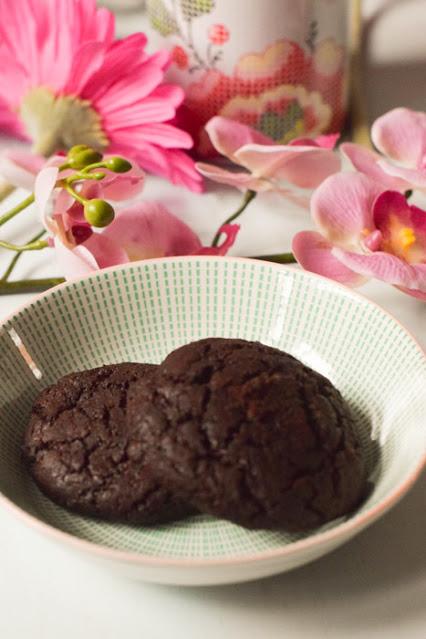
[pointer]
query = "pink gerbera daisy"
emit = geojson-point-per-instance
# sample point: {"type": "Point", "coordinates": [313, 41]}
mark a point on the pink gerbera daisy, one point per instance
{"type": "Point", "coordinates": [65, 80]}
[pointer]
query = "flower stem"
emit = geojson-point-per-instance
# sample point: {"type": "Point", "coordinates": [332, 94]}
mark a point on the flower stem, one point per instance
{"type": "Point", "coordinates": [16, 209]}
{"type": "Point", "coordinates": [5, 189]}
{"type": "Point", "coordinates": [74, 194]}
{"type": "Point", "coordinates": [16, 257]}
{"type": "Point", "coordinates": [280, 258]}
{"type": "Point", "coordinates": [29, 286]}
{"type": "Point", "coordinates": [248, 197]}
{"type": "Point", "coordinates": [31, 246]}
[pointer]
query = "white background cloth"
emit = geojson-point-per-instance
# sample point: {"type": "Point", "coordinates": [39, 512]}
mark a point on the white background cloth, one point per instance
{"type": "Point", "coordinates": [374, 587]}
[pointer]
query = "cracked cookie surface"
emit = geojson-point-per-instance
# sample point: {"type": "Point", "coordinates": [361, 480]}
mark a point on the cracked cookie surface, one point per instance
{"type": "Point", "coordinates": [80, 454]}
{"type": "Point", "coordinates": [246, 432]}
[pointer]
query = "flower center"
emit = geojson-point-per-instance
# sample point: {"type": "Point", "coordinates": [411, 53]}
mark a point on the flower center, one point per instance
{"type": "Point", "coordinates": [407, 237]}
{"type": "Point", "coordinates": [60, 122]}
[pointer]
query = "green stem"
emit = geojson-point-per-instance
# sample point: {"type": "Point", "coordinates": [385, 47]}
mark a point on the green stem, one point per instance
{"type": "Point", "coordinates": [74, 194]}
{"type": "Point", "coordinates": [16, 257]}
{"type": "Point", "coordinates": [16, 209]}
{"type": "Point", "coordinates": [280, 258]}
{"type": "Point", "coordinates": [31, 246]}
{"type": "Point", "coordinates": [95, 165]}
{"type": "Point", "coordinates": [29, 286]}
{"type": "Point", "coordinates": [248, 197]}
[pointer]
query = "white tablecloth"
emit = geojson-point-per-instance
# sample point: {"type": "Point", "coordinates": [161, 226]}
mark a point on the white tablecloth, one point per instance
{"type": "Point", "coordinates": [374, 587]}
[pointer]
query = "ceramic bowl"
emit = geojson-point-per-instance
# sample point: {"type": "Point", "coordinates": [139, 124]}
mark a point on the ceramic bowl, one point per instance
{"type": "Point", "coordinates": [140, 312]}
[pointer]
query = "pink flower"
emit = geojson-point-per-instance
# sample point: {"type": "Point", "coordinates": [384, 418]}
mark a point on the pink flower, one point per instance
{"type": "Point", "coordinates": [401, 136]}
{"type": "Point", "coordinates": [59, 212]}
{"type": "Point", "coordinates": [141, 231]}
{"type": "Point", "coordinates": [365, 232]}
{"type": "Point", "coordinates": [303, 163]}
{"type": "Point", "coordinates": [218, 34]}
{"type": "Point", "coordinates": [64, 80]}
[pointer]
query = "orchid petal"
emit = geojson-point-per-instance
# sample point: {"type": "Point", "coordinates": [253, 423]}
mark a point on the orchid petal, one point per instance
{"type": "Point", "coordinates": [369, 163]}
{"type": "Point", "coordinates": [342, 207]}
{"type": "Point", "coordinates": [19, 168]}
{"type": "Point", "coordinates": [148, 229]}
{"type": "Point", "coordinates": [420, 295]}
{"type": "Point", "coordinates": [314, 253]}
{"type": "Point", "coordinates": [401, 135]}
{"type": "Point", "coordinates": [303, 166]}
{"type": "Point", "coordinates": [227, 136]}
{"type": "Point", "coordinates": [123, 186]}
{"type": "Point", "coordinates": [327, 141]}
{"type": "Point", "coordinates": [75, 262]}
{"type": "Point", "coordinates": [43, 188]}
{"type": "Point", "coordinates": [386, 267]}
{"type": "Point", "coordinates": [410, 178]}
{"type": "Point", "coordinates": [231, 232]}
{"type": "Point", "coordinates": [105, 250]}
{"type": "Point", "coordinates": [402, 226]}
{"type": "Point", "coordinates": [373, 242]}
{"type": "Point", "coordinates": [239, 179]}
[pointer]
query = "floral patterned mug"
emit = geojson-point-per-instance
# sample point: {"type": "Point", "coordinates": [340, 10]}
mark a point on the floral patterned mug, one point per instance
{"type": "Point", "coordinates": [277, 65]}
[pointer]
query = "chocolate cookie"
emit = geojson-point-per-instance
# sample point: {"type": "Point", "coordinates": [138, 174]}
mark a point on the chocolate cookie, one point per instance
{"type": "Point", "coordinates": [80, 455]}
{"type": "Point", "coordinates": [246, 432]}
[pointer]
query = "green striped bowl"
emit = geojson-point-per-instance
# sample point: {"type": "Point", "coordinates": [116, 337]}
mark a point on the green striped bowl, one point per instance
{"type": "Point", "coordinates": [140, 312]}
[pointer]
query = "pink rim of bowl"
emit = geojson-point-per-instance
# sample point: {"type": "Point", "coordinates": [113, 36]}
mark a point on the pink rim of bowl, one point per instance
{"type": "Point", "coordinates": [355, 524]}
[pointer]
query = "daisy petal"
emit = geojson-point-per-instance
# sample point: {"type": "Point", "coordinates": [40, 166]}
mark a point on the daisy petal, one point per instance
{"type": "Point", "coordinates": [227, 136]}
{"type": "Point", "coordinates": [342, 207]}
{"type": "Point", "coordinates": [314, 254]}
{"type": "Point", "coordinates": [401, 134]}
{"type": "Point", "coordinates": [386, 267]}
{"type": "Point", "coordinates": [86, 62]}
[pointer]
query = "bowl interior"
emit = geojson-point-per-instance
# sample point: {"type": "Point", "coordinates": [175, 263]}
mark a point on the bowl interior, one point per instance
{"type": "Point", "coordinates": [142, 311]}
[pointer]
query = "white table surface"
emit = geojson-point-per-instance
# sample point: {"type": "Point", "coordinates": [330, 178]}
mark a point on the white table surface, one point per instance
{"type": "Point", "coordinates": [374, 587]}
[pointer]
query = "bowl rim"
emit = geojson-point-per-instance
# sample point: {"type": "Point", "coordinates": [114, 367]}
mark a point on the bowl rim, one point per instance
{"type": "Point", "coordinates": [343, 530]}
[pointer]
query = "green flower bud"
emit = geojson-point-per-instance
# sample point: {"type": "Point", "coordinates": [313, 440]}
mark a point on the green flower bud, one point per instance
{"type": "Point", "coordinates": [117, 164]}
{"type": "Point", "coordinates": [78, 148]}
{"type": "Point", "coordinates": [84, 158]}
{"type": "Point", "coordinates": [98, 213]}
{"type": "Point", "coordinates": [98, 176]}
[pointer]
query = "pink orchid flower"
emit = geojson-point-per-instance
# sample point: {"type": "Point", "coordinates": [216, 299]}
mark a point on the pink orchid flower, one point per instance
{"type": "Point", "coordinates": [365, 233]}
{"type": "Point", "coordinates": [142, 231]}
{"type": "Point", "coordinates": [304, 163]}
{"type": "Point", "coordinates": [145, 230]}
{"type": "Point", "coordinates": [400, 135]}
